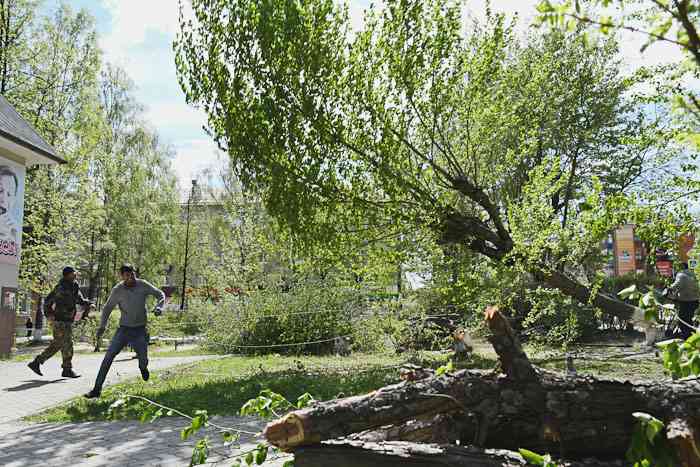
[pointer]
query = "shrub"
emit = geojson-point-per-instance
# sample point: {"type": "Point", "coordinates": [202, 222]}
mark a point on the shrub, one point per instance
{"type": "Point", "coordinates": [556, 319]}
{"type": "Point", "coordinates": [278, 321]}
{"type": "Point", "coordinates": [382, 328]}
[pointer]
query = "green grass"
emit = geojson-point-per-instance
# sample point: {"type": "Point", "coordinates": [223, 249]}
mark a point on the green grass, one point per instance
{"type": "Point", "coordinates": [221, 386]}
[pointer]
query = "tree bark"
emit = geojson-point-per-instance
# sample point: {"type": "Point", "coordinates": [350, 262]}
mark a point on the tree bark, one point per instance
{"type": "Point", "coordinates": [400, 454]}
{"type": "Point", "coordinates": [573, 417]}
{"type": "Point", "coordinates": [583, 294]}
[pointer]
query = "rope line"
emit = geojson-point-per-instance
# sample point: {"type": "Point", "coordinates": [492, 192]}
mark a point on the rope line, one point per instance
{"type": "Point", "coordinates": [295, 344]}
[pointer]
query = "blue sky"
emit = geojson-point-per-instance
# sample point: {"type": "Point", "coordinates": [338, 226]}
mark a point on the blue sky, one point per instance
{"type": "Point", "coordinates": [137, 35]}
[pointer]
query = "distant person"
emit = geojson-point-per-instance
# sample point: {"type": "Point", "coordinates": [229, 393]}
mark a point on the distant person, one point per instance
{"type": "Point", "coordinates": [60, 309]}
{"type": "Point", "coordinates": [29, 325]}
{"type": "Point", "coordinates": [130, 295]}
{"type": "Point", "coordinates": [685, 291]}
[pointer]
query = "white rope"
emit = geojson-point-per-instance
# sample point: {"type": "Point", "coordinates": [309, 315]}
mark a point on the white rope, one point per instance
{"type": "Point", "coordinates": [271, 346]}
{"type": "Point", "coordinates": [691, 326]}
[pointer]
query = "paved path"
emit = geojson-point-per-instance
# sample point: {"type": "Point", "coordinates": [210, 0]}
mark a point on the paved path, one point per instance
{"type": "Point", "coordinates": [122, 444]}
{"type": "Point", "coordinates": [23, 393]}
{"type": "Point", "coordinates": [99, 444]}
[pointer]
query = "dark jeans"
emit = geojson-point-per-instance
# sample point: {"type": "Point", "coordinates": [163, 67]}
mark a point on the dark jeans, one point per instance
{"type": "Point", "coordinates": [686, 312]}
{"type": "Point", "coordinates": [136, 338]}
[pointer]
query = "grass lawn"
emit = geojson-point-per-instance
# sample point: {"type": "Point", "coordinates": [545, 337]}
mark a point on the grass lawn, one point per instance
{"type": "Point", "coordinates": [221, 386]}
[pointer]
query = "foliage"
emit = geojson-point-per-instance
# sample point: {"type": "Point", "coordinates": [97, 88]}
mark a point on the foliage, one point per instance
{"type": "Point", "coordinates": [383, 328]}
{"type": "Point", "coordinates": [657, 21]}
{"type": "Point", "coordinates": [649, 446]}
{"type": "Point", "coordinates": [533, 458]}
{"type": "Point", "coordinates": [615, 284]}
{"type": "Point", "coordinates": [80, 213]}
{"type": "Point", "coordinates": [516, 150]}
{"type": "Point", "coordinates": [555, 319]}
{"type": "Point", "coordinates": [305, 319]}
{"type": "Point", "coordinates": [270, 404]}
{"type": "Point", "coordinates": [681, 359]}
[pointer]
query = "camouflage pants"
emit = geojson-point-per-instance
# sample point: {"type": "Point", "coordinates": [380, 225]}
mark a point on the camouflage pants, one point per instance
{"type": "Point", "coordinates": [63, 341]}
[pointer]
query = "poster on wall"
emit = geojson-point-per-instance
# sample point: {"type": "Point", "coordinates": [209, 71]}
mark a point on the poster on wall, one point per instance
{"type": "Point", "coordinates": [11, 210]}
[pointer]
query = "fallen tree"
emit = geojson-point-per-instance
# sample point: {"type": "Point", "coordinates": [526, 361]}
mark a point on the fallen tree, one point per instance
{"type": "Point", "coordinates": [525, 407]}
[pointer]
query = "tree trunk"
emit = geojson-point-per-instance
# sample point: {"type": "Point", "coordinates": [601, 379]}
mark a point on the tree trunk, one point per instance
{"type": "Point", "coordinates": [400, 454]}
{"type": "Point", "coordinates": [573, 417]}
{"type": "Point", "coordinates": [581, 293]}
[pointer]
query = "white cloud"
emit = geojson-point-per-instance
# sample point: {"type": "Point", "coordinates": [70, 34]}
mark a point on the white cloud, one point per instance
{"type": "Point", "coordinates": [139, 40]}
{"type": "Point", "coordinates": [194, 156]}
{"type": "Point", "coordinates": [132, 19]}
{"type": "Point", "coordinates": [175, 115]}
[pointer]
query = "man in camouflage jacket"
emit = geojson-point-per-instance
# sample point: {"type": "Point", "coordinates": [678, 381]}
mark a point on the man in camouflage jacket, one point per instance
{"type": "Point", "coordinates": [60, 308]}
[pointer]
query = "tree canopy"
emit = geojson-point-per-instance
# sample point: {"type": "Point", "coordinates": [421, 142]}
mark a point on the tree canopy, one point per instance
{"type": "Point", "coordinates": [419, 122]}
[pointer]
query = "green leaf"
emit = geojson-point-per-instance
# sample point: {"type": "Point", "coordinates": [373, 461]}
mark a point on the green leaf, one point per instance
{"type": "Point", "coordinates": [289, 463]}
{"type": "Point", "coordinates": [668, 343]}
{"type": "Point", "coordinates": [145, 415]}
{"type": "Point", "coordinates": [449, 367]}
{"type": "Point", "coordinates": [305, 400]}
{"type": "Point", "coordinates": [629, 292]}
{"type": "Point", "coordinates": [545, 6]}
{"type": "Point", "coordinates": [261, 454]}
{"type": "Point", "coordinates": [158, 414]}
{"type": "Point", "coordinates": [186, 433]}
{"type": "Point", "coordinates": [693, 340]}
{"type": "Point", "coordinates": [249, 459]}
{"type": "Point", "coordinates": [532, 457]}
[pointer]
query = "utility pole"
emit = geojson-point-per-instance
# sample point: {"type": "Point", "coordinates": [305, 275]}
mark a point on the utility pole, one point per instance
{"type": "Point", "coordinates": [187, 247]}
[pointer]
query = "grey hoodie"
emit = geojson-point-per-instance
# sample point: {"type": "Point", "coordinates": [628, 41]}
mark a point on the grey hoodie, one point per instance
{"type": "Point", "coordinates": [685, 287]}
{"type": "Point", "coordinates": [132, 303]}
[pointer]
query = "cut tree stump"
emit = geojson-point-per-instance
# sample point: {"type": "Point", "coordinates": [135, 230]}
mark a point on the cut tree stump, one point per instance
{"type": "Point", "coordinates": [568, 416]}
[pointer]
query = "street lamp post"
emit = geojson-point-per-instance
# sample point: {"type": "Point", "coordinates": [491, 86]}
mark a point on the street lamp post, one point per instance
{"type": "Point", "coordinates": [187, 246]}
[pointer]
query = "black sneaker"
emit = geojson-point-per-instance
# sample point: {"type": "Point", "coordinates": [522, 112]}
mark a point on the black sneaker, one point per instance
{"type": "Point", "coordinates": [35, 366]}
{"type": "Point", "coordinates": [69, 373]}
{"type": "Point", "coordinates": [93, 394]}
{"type": "Point", "coordinates": [145, 374]}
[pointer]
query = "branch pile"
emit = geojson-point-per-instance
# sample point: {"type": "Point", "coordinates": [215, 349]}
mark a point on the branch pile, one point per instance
{"type": "Point", "coordinates": [476, 418]}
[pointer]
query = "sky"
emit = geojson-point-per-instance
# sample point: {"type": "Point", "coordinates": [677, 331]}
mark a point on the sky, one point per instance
{"type": "Point", "coordinates": [138, 34]}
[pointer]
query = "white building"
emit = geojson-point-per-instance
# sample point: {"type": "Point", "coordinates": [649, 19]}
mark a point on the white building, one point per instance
{"type": "Point", "coordinates": [20, 147]}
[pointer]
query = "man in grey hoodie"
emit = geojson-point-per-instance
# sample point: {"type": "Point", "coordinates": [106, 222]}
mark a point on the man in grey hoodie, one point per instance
{"type": "Point", "coordinates": [686, 292]}
{"type": "Point", "coordinates": [130, 295]}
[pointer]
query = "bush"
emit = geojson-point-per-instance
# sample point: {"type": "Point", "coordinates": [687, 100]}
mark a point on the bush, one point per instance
{"type": "Point", "coordinates": [278, 321]}
{"type": "Point", "coordinates": [613, 285]}
{"type": "Point", "coordinates": [555, 319]}
{"type": "Point", "coordinates": [176, 324]}
{"type": "Point", "coordinates": [381, 329]}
